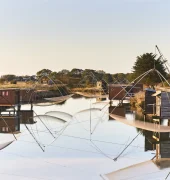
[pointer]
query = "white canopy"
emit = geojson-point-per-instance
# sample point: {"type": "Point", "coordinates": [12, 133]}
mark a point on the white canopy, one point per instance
{"type": "Point", "coordinates": [59, 99]}
{"type": "Point", "coordinates": [90, 95]}
{"type": "Point", "coordinates": [141, 124]}
{"type": "Point", "coordinates": [145, 170]}
{"type": "Point", "coordinates": [5, 144]}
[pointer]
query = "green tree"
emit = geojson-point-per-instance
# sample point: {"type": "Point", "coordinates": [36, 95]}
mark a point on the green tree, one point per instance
{"type": "Point", "coordinates": [44, 72]}
{"type": "Point", "coordinates": [146, 62]}
{"type": "Point", "coordinates": [2, 81]}
{"type": "Point", "coordinates": [76, 72]}
{"type": "Point", "coordinates": [9, 77]}
{"type": "Point", "coordinates": [54, 75]}
{"type": "Point", "coordinates": [64, 72]}
{"type": "Point", "coordinates": [108, 78]}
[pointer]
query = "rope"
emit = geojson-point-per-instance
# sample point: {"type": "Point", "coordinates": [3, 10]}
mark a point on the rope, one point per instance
{"type": "Point", "coordinates": [141, 77]}
{"type": "Point", "coordinates": [129, 85]}
{"type": "Point", "coordinates": [115, 159]}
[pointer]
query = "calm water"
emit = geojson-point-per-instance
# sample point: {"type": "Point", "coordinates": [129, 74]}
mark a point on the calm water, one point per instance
{"type": "Point", "coordinates": [72, 156]}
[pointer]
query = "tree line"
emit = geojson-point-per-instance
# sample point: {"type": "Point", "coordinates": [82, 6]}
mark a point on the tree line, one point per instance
{"type": "Point", "coordinates": [89, 77]}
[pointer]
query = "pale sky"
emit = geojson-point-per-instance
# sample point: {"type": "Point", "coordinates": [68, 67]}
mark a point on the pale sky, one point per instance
{"type": "Point", "coordinates": [66, 34]}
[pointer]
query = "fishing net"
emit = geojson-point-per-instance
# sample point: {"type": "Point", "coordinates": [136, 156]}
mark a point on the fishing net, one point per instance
{"type": "Point", "coordinates": [5, 144]}
{"type": "Point", "coordinates": [142, 124]}
{"type": "Point", "coordinates": [61, 115]}
{"type": "Point", "coordinates": [89, 118]}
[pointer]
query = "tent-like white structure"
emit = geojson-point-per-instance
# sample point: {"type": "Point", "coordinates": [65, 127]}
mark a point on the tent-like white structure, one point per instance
{"type": "Point", "coordinates": [5, 144]}
{"type": "Point", "coordinates": [89, 95]}
{"type": "Point", "coordinates": [142, 124]}
{"type": "Point", "coordinates": [145, 170]}
{"type": "Point", "coordinates": [59, 99]}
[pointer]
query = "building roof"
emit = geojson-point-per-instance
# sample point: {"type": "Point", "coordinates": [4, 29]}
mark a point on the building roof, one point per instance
{"type": "Point", "coordinates": [150, 89]}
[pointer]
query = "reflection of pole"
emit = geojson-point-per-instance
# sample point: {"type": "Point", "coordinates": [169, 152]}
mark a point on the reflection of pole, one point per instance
{"type": "Point", "coordinates": [153, 106]}
{"type": "Point", "coordinates": [34, 138]}
{"type": "Point", "coordinates": [157, 151]}
{"type": "Point", "coordinates": [154, 109]}
{"type": "Point", "coordinates": [157, 123]}
{"type": "Point", "coordinates": [168, 122]}
{"type": "Point", "coordinates": [144, 117]}
{"type": "Point", "coordinates": [90, 118]}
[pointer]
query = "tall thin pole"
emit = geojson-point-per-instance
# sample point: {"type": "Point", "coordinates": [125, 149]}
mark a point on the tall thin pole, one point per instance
{"type": "Point", "coordinates": [90, 119]}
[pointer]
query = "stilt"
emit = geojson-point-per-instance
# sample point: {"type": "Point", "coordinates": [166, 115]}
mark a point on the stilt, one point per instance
{"type": "Point", "coordinates": [157, 151]}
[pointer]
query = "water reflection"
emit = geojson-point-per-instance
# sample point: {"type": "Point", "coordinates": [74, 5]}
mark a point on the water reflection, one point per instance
{"type": "Point", "coordinates": [72, 148]}
{"type": "Point", "coordinates": [151, 139]}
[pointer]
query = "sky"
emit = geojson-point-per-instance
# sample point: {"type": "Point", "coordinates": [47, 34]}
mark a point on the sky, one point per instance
{"type": "Point", "coordinates": [95, 34]}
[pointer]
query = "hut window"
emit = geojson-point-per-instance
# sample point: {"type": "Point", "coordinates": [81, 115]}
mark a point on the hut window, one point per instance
{"type": "Point", "coordinates": [7, 93]}
{"type": "Point", "coordinates": [16, 128]}
{"type": "Point", "coordinates": [3, 129]}
{"type": "Point", "coordinates": [6, 129]}
{"type": "Point", "coordinates": [3, 93]}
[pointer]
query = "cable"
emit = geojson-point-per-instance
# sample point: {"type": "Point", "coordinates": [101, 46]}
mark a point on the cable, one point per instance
{"type": "Point", "coordinates": [130, 84]}
{"type": "Point", "coordinates": [45, 125]}
{"type": "Point", "coordinates": [167, 176]}
{"type": "Point", "coordinates": [75, 149]}
{"type": "Point", "coordinates": [48, 162]}
{"type": "Point", "coordinates": [34, 138]}
{"type": "Point", "coordinates": [115, 159]}
{"type": "Point", "coordinates": [133, 87]}
{"type": "Point", "coordinates": [86, 139]}
{"type": "Point", "coordinates": [100, 151]}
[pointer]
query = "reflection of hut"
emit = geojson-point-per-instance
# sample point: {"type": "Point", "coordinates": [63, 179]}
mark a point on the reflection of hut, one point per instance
{"type": "Point", "coordinates": [11, 114]}
{"type": "Point", "coordinates": [162, 141]}
{"type": "Point", "coordinates": [157, 103]}
{"type": "Point", "coordinates": [150, 143]}
{"type": "Point", "coordinates": [120, 111]}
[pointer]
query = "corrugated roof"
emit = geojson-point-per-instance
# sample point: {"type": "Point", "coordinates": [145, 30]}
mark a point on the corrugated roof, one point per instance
{"type": "Point", "coordinates": [157, 93]}
{"type": "Point", "coordinates": [150, 89]}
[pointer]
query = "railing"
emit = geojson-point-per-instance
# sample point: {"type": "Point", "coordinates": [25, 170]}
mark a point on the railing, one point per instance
{"type": "Point", "coordinates": [130, 94]}
{"type": "Point", "coordinates": [8, 113]}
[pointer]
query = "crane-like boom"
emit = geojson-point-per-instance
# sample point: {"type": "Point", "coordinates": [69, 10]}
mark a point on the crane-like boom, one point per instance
{"type": "Point", "coordinates": [163, 59]}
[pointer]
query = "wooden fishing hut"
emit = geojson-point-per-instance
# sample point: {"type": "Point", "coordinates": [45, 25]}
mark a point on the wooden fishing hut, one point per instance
{"type": "Point", "coordinates": [122, 91]}
{"type": "Point", "coordinates": [11, 115]}
{"type": "Point", "coordinates": [159, 102]}
{"type": "Point", "coordinates": [150, 101]}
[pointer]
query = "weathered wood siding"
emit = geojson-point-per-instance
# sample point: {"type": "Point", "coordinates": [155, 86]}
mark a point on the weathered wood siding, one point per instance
{"type": "Point", "coordinates": [165, 149]}
{"type": "Point", "coordinates": [120, 111]}
{"type": "Point", "coordinates": [26, 117]}
{"type": "Point", "coordinates": [9, 97]}
{"type": "Point", "coordinates": [165, 105]}
{"type": "Point", "coordinates": [158, 105]}
{"type": "Point", "coordinates": [12, 124]}
{"type": "Point", "coordinates": [27, 95]}
{"type": "Point", "coordinates": [150, 102]}
{"type": "Point", "coordinates": [116, 92]}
